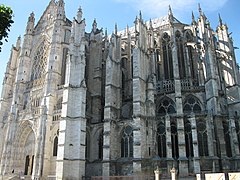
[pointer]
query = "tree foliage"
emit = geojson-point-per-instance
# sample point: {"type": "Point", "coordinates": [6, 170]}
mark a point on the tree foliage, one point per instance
{"type": "Point", "coordinates": [6, 15]}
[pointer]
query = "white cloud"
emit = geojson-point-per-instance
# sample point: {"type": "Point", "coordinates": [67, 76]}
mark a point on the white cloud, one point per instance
{"type": "Point", "coordinates": [160, 7]}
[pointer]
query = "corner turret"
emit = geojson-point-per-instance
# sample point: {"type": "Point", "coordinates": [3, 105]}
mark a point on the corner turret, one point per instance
{"type": "Point", "coordinates": [30, 24]}
{"type": "Point", "coordinates": [61, 9]}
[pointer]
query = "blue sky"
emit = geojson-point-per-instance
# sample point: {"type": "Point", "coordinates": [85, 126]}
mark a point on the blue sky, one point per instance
{"type": "Point", "coordinates": [123, 12]}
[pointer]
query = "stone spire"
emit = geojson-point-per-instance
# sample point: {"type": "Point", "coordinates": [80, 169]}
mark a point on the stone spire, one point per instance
{"type": "Point", "coordinates": [52, 2]}
{"type": "Point", "coordinates": [31, 18]}
{"type": "Point", "coordinates": [170, 11]}
{"type": "Point", "coordinates": [18, 43]}
{"type": "Point", "coordinates": [106, 33]}
{"type": "Point", "coordinates": [150, 24]}
{"type": "Point", "coordinates": [79, 14]}
{"type": "Point", "coordinates": [94, 26]}
{"type": "Point", "coordinates": [61, 3]}
{"type": "Point", "coordinates": [30, 24]}
{"type": "Point", "coordinates": [170, 14]}
{"type": "Point", "coordinates": [60, 9]}
{"type": "Point", "coordinates": [140, 15]}
{"type": "Point", "coordinates": [220, 20]}
{"type": "Point", "coordinates": [200, 9]}
{"type": "Point", "coordinates": [193, 19]}
{"type": "Point", "coordinates": [115, 29]}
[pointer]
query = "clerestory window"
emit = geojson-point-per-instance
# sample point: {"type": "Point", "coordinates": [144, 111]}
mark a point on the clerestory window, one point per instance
{"type": "Point", "coordinates": [167, 57]}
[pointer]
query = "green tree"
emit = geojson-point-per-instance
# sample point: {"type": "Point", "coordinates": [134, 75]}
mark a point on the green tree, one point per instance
{"type": "Point", "coordinates": [6, 15]}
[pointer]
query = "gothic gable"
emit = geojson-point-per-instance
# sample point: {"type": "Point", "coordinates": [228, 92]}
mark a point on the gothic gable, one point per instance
{"type": "Point", "coordinates": [47, 17]}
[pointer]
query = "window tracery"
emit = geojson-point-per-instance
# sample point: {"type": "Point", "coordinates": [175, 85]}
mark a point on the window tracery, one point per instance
{"type": "Point", "coordinates": [190, 53]}
{"type": "Point", "coordinates": [127, 142]}
{"type": "Point", "coordinates": [40, 61]}
{"type": "Point", "coordinates": [161, 140]}
{"type": "Point", "coordinates": [237, 131]}
{"type": "Point", "coordinates": [227, 138]}
{"type": "Point", "coordinates": [202, 138]}
{"type": "Point", "coordinates": [192, 105]}
{"type": "Point", "coordinates": [188, 139]}
{"type": "Point", "coordinates": [180, 53]}
{"type": "Point", "coordinates": [166, 106]}
{"type": "Point", "coordinates": [174, 139]}
{"type": "Point", "coordinates": [167, 56]}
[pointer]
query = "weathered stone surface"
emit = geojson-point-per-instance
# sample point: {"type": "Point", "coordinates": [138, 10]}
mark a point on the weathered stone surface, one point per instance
{"type": "Point", "coordinates": [161, 93]}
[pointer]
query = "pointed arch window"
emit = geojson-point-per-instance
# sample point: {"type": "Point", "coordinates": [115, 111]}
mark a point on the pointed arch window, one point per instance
{"type": "Point", "coordinates": [55, 146]}
{"type": "Point", "coordinates": [161, 140]}
{"type": "Point", "coordinates": [202, 138]}
{"type": "Point", "coordinates": [227, 138]}
{"type": "Point", "coordinates": [63, 69]}
{"type": "Point", "coordinates": [192, 105]}
{"type": "Point", "coordinates": [180, 53]}
{"type": "Point", "coordinates": [40, 61]}
{"type": "Point", "coordinates": [174, 139]}
{"type": "Point", "coordinates": [192, 63]}
{"type": "Point", "coordinates": [87, 143]}
{"type": "Point", "coordinates": [167, 56]}
{"type": "Point", "coordinates": [188, 139]}
{"type": "Point", "coordinates": [100, 146]}
{"type": "Point", "coordinates": [127, 142]}
{"type": "Point", "coordinates": [166, 106]}
{"type": "Point", "coordinates": [238, 131]}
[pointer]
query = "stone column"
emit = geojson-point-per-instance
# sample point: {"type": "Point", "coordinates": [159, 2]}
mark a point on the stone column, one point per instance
{"type": "Point", "coordinates": [72, 129]}
{"type": "Point", "coordinates": [169, 143]}
{"type": "Point", "coordinates": [173, 172]}
{"type": "Point", "coordinates": [183, 161]}
{"type": "Point", "coordinates": [112, 103]}
{"type": "Point", "coordinates": [137, 150]}
{"type": "Point", "coordinates": [234, 138]}
{"type": "Point", "coordinates": [196, 158]}
{"type": "Point", "coordinates": [234, 143]}
{"type": "Point", "coordinates": [40, 141]}
{"type": "Point", "coordinates": [183, 164]}
{"type": "Point", "coordinates": [157, 174]}
{"type": "Point", "coordinates": [106, 148]}
{"type": "Point", "coordinates": [222, 145]}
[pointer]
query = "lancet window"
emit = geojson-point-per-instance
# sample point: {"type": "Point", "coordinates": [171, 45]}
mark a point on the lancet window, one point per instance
{"type": "Point", "coordinates": [238, 131]}
{"type": "Point", "coordinates": [55, 146]}
{"type": "Point", "coordinates": [161, 140]}
{"type": "Point", "coordinates": [87, 143]}
{"type": "Point", "coordinates": [167, 57]}
{"type": "Point", "coordinates": [64, 60]}
{"type": "Point", "coordinates": [190, 53]}
{"type": "Point", "coordinates": [227, 138]}
{"type": "Point", "coordinates": [127, 142]}
{"type": "Point", "coordinates": [202, 138]}
{"type": "Point", "coordinates": [180, 53]}
{"type": "Point", "coordinates": [40, 61]}
{"type": "Point", "coordinates": [188, 139]}
{"type": "Point", "coordinates": [174, 139]}
{"type": "Point", "coordinates": [100, 146]}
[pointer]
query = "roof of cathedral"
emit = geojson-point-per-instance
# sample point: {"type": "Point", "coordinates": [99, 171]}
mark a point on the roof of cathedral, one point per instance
{"type": "Point", "coordinates": [158, 22]}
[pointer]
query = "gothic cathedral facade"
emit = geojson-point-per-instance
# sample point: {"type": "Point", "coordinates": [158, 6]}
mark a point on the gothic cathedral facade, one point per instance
{"type": "Point", "coordinates": [160, 93]}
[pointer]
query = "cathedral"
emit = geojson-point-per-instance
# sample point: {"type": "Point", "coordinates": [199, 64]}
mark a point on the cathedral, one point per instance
{"type": "Point", "coordinates": [77, 104]}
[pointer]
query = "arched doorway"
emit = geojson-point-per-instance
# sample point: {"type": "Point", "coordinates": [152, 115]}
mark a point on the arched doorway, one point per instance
{"type": "Point", "coordinates": [25, 150]}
